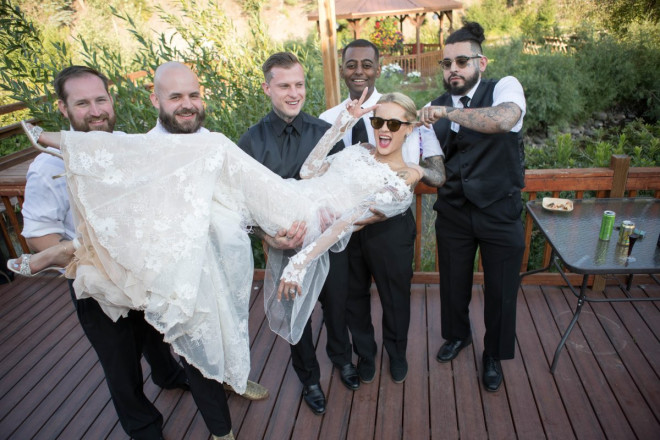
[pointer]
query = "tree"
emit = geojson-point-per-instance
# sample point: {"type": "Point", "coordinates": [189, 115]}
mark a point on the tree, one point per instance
{"type": "Point", "coordinates": [617, 15]}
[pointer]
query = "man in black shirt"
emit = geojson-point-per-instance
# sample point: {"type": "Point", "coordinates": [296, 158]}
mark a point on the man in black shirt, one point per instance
{"type": "Point", "coordinates": [281, 141]}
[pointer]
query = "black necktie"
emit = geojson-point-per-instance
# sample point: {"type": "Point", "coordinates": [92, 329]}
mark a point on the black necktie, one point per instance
{"type": "Point", "coordinates": [359, 133]}
{"type": "Point", "coordinates": [288, 146]}
{"type": "Point", "coordinates": [288, 138]}
{"type": "Point", "coordinates": [465, 100]}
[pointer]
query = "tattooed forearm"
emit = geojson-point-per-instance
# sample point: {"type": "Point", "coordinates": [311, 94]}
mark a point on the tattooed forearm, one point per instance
{"type": "Point", "coordinates": [434, 171]}
{"type": "Point", "coordinates": [498, 119]}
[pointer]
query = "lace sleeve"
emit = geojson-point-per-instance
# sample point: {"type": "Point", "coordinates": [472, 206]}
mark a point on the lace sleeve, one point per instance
{"type": "Point", "coordinates": [315, 160]}
{"type": "Point", "coordinates": [296, 269]}
{"type": "Point", "coordinates": [391, 200]}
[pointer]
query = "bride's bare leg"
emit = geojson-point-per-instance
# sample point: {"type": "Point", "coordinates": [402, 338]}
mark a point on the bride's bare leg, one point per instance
{"type": "Point", "coordinates": [50, 139]}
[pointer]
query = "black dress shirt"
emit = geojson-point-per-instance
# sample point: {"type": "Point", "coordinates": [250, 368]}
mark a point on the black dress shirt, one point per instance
{"type": "Point", "coordinates": [266, 140]}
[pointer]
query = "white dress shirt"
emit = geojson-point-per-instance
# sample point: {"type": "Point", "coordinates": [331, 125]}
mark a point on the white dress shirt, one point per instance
{"type": "Point", "coordinates": [46, 207]}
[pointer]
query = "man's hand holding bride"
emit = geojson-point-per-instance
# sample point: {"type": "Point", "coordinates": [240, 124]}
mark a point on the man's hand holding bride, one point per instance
{"type": "Point", "coordinates": [291, 239]}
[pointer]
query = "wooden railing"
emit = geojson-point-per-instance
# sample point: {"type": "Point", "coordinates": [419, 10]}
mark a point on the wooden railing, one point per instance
{"type": "Point", "coordinates": [426, 63]}
{"type": "Point", "coordinates": [616, 181]}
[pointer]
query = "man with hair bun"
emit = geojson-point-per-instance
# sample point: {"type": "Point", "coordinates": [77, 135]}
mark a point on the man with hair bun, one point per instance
{"type": "Point", "coordinates": [478, 123]}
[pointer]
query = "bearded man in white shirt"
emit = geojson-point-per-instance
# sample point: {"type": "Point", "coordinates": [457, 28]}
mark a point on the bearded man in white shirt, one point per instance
{"type": "Point", "coordinates": [48, 223]}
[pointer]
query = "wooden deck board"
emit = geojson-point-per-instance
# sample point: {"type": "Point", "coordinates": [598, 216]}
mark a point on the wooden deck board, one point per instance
{"type": "Point", "coordinates": [606, 384]}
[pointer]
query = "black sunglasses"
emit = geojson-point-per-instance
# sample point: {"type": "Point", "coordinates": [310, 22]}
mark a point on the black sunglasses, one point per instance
{"type": "Point", "coordinates": [392, 124]}
{"type": "Point", "coordinates": [461, 61]}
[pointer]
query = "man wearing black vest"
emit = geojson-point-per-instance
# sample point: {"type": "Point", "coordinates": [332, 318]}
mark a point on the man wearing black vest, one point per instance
{"type": "Point", "coordinates": [478, 123]}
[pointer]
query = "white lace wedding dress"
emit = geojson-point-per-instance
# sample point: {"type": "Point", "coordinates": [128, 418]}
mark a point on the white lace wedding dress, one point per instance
{"type": "Point", "coordinates": [163, 223]}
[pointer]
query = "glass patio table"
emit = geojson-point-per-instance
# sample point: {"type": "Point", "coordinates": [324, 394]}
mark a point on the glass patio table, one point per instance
{"type": "Point", "coordinates": [573, 237]}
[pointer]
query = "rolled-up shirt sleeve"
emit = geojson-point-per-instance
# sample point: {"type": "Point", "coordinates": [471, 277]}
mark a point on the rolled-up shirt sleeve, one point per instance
{"type": "Point", "coordinates": [46, 207]}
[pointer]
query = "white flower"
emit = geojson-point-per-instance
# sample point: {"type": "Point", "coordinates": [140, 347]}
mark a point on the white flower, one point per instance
{"type": "Point", "coordinates": [104, 226]}
{"type": "Point", "coordinates": [414, 74]}
{"type": "Point", "coordinates": [392, 68]}
{"type": "Point", "coordinates": [103, 158]}
{"type": "Point", "coordinates": [114, 177]}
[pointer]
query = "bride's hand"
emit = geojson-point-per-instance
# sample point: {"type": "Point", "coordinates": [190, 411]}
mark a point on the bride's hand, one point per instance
{"type": "Point", "coordinates": [288, 289]}
{"type": "Point", "coordinates": [355, 109]}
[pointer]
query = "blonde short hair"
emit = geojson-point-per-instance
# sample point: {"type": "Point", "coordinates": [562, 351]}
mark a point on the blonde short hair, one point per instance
{"type": "Point", "coordinates": [402, 101]}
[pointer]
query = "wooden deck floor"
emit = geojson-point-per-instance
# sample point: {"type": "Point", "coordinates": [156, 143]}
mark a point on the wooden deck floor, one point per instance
{"type": "Point", "coordinates": [607, 383]}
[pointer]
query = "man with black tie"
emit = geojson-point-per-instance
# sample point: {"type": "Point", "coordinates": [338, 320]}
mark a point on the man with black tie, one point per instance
{"type": "Point", "coordinates": [383, 249]}
{"type": "Point", "coordinates": [281, 141]}
{"type": "Point", "coordinates": [478, 122]}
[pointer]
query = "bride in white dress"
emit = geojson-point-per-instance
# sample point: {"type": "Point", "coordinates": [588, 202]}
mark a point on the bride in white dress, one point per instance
{"type": "Point", "coordinates": [163, 223]}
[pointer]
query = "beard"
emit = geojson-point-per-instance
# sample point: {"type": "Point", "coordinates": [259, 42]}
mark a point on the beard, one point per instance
{"type": "Point", "coordinates": [83, 125]}
{"type": "Point", "coordinates": [171, 124]}
{"type": "Point", "coordinates": [468, 83]}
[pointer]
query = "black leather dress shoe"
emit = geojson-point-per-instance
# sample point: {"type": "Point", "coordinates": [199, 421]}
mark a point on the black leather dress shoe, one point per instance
{"type": "Point", "coordinates": [451, 348]}
{"type": "Point", "coordinates": [492, 376]}
{"type": "Point", "coordinates": [314, 398]}
{"type": "Point", "coordinates": [349, 377]}
{"type": "Point", "coordinates": [366, 370]}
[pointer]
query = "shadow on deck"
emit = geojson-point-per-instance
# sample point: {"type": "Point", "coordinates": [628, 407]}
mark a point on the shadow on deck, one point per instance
{"type": "Point", "coordinates": [607, 383]}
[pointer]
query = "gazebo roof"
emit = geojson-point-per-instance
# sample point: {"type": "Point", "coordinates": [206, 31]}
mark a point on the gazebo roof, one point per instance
{"type": "Point", "coordinates": [355, 9]}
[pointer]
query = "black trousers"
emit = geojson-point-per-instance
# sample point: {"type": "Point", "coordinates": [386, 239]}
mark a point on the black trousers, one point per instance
{"type": "Point", "coordinates": [497, 231]}
{"type": "Point", "coordinates": [333, 300]}
{"type": "Point", "coordinates": [385, 251]}
{"type": "Point", "coordinates": [210, 397]}
{"type": "Point", "coordinates": [120, 346]}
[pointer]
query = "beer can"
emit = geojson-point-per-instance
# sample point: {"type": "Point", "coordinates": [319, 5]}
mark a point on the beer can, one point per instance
{"type": "Point", "coordinates": [620, 254]}
{"type": "Point", "coordinates": [601, 252]}
{"type": "Point", "coordinates": [606, 225]}
{"type": "Point", "coordinates": [627, 228]}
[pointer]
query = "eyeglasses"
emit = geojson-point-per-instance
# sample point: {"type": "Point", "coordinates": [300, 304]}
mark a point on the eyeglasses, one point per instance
{"type": "Point", "coordinates": [461, 61]}
{"type": "Point", "coordinates": [393, 125]}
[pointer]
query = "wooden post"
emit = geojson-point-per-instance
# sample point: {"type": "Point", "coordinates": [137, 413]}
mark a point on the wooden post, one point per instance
{"type": "Point", "coordinates": [327, 26]}
{"type": "Point", "coordinates": [620, 163]}
{"type": "Point", "coordinates": [356, 25]}
{"type": "Point", "coordinates": [441, 17]}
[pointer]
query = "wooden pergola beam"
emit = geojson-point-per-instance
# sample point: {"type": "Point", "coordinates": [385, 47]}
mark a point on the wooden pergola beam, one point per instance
{"type": "Point", "coordinates": [328, 33]}
{"type": "Point", "coordinates": [356, 25]}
